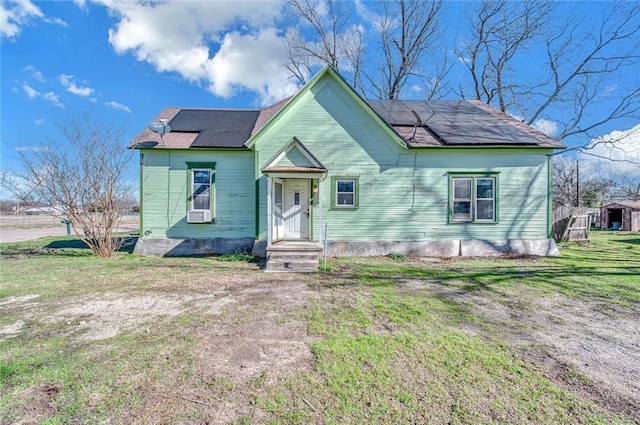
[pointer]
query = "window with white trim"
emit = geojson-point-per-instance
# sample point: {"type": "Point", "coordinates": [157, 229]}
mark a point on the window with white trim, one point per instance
{"type": "Point", "coordinates": [345, 193]}
{"type": "Point", "coordinates": [200, 189]}
{"type": "Point", "coordinates": [201, 192]}
{"type": "Point", "coordinates": [473, 199]}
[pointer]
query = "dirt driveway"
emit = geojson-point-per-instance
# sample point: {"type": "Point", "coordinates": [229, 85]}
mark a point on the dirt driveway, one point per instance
{"type": "Point", "coordinates": [589, 347]}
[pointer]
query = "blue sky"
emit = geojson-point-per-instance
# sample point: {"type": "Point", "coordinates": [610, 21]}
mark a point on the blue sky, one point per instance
{"type": "Point", "coordinates": [126, 60]}
{"type": "Point", "coordinates": [63, 63]}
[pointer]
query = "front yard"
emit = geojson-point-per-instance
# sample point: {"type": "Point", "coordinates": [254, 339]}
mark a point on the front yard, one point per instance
{"type": "Point", "coordinates": [376, 340]}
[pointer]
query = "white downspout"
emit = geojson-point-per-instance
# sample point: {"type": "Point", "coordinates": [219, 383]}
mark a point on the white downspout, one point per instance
{"type": "Point", "coordinates": [269, 211]}
{"type": "Point", "coordinates": [320, 212]}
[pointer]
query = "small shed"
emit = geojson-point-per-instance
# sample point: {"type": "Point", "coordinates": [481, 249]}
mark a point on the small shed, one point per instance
{"type": "Point", "coordinates": [620, 216]}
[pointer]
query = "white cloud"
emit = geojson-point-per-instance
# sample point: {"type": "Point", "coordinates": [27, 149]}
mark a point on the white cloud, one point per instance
{"type": "Point", "coordinates": [31, 92]}
{"type": "Point", "coordinates": [16, 13]}
{"type": "Point", "coordinates": [618, 151]}
{"type": "Point", "coordinates": [68, 82]}
{"type": "Point", "coordinates": [119, 106]}
{"type": "Point", "coordinates": [39, 121]}
{"type": "Point", "coordinates": [35, 74]}
{"type": "Point", "coordinates": [53, 98]}
{"type": "Point", "coordinates": [58, 21]}
{"type": "Point", "coordinates": [548, 127]}
{"type": "Point", "coordinates": [234, 66]}
{"type": "Point", "coordinates": [186, 38]}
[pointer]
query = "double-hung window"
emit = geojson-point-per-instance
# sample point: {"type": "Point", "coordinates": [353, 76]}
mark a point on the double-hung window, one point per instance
{"type": "Point", "coordinates": [201, 189]}
{"type": "Point", "coordinates": [344, 192]}
{"type": "Point", "coordinates": [201, 192]}
{"type": "Point", "coordinates": [473, 198]}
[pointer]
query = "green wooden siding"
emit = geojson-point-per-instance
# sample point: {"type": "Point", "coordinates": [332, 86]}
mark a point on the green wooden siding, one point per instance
{"type": "Point", "coordinates": [294, 157]}
{"type": "Point", "coordinates": [412, 203]}
{"type": "Point", "coordinates": [403, 194]}
{"type": "Point", "coordinates": [336, 131]}
{"type": "Point", "coordinates": [165, 188]}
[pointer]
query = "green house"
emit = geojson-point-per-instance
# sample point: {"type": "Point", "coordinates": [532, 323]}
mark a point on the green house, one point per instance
{"type": "Point", "coordinates": [326, 169]}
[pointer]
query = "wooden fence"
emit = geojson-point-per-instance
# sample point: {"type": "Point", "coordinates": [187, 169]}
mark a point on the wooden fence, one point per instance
{"type": "Point", "coordinates": [570, 223]}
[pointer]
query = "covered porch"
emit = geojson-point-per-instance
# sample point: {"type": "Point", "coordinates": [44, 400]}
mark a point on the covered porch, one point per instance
{"type": "Point", "coordinates": [293, 242]}
{"type": "Point", "coordinates": [294, 194]}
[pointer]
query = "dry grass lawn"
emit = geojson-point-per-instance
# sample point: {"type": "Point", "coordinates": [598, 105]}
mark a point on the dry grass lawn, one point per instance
{"type": "Point", "coordinates": [377, 340]}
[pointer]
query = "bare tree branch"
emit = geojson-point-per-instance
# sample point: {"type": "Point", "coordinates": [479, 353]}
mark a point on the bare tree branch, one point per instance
{"type": "Point", "coordinates": [84, 177]}
{"type": "Point", "coordinates": [337, 42]}
{"type": "Point", "coordinates": [498, 31]}
{"type": "Point", "coordinates": [407, 31]}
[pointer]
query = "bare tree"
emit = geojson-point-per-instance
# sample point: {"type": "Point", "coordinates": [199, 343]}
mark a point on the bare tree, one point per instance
{"type": "Point", "coordinates": [408, 31]}
{"type": "Point", "coordinates": [583, 65]}
{"type": "Point", "coordinates": [337, 42]}
{"type": "Point", "coordinates": [565, 181]}
{"type": "Point", "coordinates": [574, 185]}
{"type": "Point", "coordinates": [84, 176]}
{"type": "Point", "coordinates": [498, 31]}
{"type": "Point", "coordinates": [404, 32]}
{"type": "Point", "coordinates": [18, 186]}
{"type": "Point", "coordinates": [579, 88]}
{"type": "Point", "coordinates": [627, 187]}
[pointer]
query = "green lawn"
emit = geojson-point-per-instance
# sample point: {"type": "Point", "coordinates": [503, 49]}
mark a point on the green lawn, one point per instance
{"type": "Point", "coordinates": [381, 353]}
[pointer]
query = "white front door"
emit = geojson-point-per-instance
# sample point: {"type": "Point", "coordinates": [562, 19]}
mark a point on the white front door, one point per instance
{"type": "Point", "coordinates": [295, 215]}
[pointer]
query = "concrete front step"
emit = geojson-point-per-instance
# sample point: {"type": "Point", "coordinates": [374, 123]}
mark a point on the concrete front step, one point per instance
{"type": "Point", "coordinates": [286, 266]}
{"type": "Point", "coordinates": [293, 258]}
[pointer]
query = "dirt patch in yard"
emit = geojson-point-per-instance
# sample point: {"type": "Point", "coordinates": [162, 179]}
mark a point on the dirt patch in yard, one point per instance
{"type": "Point", "coordinates": [590, 347]}
{"type": "Point", "coordinates": [258, 337]}
{"type": "Point", "coordinates": [39, 402]}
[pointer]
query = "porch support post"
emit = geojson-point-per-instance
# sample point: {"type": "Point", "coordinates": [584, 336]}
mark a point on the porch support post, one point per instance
{"type": "Point", "coordinates": [320, 230]}
{"type": "Point", "coordinates": [269, 211]}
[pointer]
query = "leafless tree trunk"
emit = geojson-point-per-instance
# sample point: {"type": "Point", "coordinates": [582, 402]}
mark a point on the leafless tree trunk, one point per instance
{"type": "Point", "coordinates": [85, 177]}
{"type": "Point", "coordinates": [627, 187]}
{"type": "Point", "coordinates": [408, 30]}
{"type": "Point", "coordinates": [498, 31]}
{"type": "Point", "coordinates": [404, 33]}
{"type": "Point", "coordinates": [336, 42]}
{"type": "Point", "coordinates": [579, 88]}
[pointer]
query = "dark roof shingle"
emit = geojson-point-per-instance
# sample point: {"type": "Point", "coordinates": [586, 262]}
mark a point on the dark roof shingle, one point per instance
{"type": "Point", "coordinates": [442, 123]}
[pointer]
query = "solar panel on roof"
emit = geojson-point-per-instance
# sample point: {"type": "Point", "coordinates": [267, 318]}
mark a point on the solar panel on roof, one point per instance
{"type": "Point", "coordinates": [455, 122]}
{"type": "Point", "coordinates": [217, 128]}
{"type": "Point", "coordinates": [193, 120]}
{"type": "Point", "coordinates": [221, 139]}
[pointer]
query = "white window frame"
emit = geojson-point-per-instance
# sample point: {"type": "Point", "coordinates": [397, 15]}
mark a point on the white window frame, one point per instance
{"type": "Point", "coordinates": [337, 182]}
{"type": "Point", "coordinates": [474, 199]}
{"type": "Point", "coordinates": [194, 185]}
{"type": "Point", "coordinates": [477, 199]}
{"type": "Point", "coordinates": [468, 180]}
{"type": "Point", "coordinates": [207, 213]}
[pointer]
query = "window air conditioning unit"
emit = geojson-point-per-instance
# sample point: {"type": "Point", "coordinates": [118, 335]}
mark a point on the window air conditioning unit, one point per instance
{"type": "Point", "coordinates": [201, 216]}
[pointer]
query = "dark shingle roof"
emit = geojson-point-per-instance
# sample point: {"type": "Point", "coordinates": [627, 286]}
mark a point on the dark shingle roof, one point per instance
{"type": "Point", "coordinates": [443, 123]}
{"type": "Point", "coordinates": [217, 128]}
